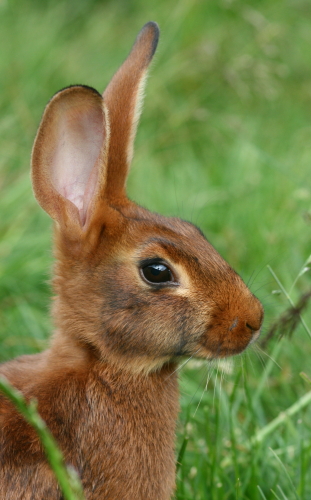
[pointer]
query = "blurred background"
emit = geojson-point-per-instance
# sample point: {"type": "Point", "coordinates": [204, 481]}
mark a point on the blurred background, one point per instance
{"type": "Point", "coordinates": [225, 142]}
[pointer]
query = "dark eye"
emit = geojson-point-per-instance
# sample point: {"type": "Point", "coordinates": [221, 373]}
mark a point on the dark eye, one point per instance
{"type": "Point", "coordinates": [157, 273]}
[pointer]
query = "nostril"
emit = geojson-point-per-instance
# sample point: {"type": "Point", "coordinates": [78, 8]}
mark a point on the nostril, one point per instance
{"type": "Point", "coordinates": [234, 324]}
{"type": "Point", "coordinates": [250, 327]}
{"type": "Point", "coordinates": [254, 327]}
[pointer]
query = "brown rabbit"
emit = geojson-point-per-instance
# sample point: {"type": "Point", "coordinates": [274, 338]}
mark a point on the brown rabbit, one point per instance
{"type": "Point", "coordinates": [134, 293]}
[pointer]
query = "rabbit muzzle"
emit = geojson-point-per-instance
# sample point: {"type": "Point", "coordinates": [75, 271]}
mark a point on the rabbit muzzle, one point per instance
{"type": "Point", "coordinates": [232, 327]}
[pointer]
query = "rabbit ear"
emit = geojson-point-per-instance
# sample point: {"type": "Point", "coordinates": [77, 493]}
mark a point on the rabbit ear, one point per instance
{"type": "Point", "coordinates": [123, 98]}
{"type": "Point", "coordinates": [69, 156]}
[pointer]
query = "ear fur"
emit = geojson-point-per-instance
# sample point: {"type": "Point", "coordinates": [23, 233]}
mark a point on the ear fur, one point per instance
{"type": "Point", "coordinates": [70, 155]}
{"type": "Point", "coordinates": [123, 98]}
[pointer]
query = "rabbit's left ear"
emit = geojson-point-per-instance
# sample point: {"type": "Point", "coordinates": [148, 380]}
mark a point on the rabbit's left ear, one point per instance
{"type": "Point", "coordinates": [69, 156]}
{"type": "Point", "coordinates": [123, 98]}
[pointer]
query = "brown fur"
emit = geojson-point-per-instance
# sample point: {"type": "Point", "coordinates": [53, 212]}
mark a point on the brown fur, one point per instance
{"type": "Point", "coordinates": [107, 386]}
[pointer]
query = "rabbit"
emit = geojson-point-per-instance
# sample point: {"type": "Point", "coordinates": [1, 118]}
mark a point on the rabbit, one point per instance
{"type": "Point", "coordinates": [135, 292]}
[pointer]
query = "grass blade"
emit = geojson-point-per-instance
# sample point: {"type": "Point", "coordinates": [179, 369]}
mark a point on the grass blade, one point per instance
{"type": "Point", "coordinates": [67, 477]}
{"type": "Point", "coordinates": [281, 418]}
{"type": "Point", "coordinates": [286, 473]}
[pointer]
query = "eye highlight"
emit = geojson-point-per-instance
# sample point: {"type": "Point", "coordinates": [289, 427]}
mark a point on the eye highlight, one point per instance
{"type": "Point", "coordinates": [157, 272]}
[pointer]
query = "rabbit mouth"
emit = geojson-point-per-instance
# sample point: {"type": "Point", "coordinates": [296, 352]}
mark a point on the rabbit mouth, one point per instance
{"type": "Point", "coordinates": [221, 351]}
{"type": "Point", "coordinates": [255, 336]}
{"type": "Point", "coordinates": [234, 341]}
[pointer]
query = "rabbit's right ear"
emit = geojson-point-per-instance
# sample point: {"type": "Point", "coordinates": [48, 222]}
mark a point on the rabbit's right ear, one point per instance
{"type": "Point", "coordinates": [123, 97]}
{"type": "Point", "coordinates": [70, 155]}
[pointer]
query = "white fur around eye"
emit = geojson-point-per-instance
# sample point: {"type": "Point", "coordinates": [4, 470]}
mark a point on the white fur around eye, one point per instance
{"type": "Point", "coordinates": [184, 280]}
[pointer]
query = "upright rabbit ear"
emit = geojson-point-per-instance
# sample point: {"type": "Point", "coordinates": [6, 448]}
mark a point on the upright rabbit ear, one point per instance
{"type": "Point", "coordinates": [123, 98]}
{"type": "Point", "coordinates": [69, 156]}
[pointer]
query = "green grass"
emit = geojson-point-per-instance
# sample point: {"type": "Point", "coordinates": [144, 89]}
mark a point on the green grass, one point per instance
{"type": "Point", "coordinates": [224, 141]}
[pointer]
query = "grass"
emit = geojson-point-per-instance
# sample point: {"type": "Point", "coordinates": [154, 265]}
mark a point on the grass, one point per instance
{"type": "Point", "coordinates": [224, 141]}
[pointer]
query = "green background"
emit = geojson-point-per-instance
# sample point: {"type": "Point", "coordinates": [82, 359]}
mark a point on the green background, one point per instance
{"type": "Point", "coordinates": [224, 141]}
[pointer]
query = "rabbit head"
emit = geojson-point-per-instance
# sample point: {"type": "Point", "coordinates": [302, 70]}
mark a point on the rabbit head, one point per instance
{"type": "Point", "coordinates": [133, 288]}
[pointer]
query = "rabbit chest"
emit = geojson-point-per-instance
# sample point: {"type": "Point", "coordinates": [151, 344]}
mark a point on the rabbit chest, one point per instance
{"type": "Point", "coordinates": [114, 428]}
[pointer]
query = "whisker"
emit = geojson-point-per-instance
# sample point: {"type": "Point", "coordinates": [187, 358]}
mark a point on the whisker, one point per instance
{"type": "Point", "coordinates": [260, 357]}
{"type": "Point", "coordinates": [250, 361]}
{"type": "Point", "coordinates": [217, 369]}
{"type": "Point", "coordinates": [179, 367]}
{"type": "Point", "coordinates": [193, 207]}
{"type": "Point", "coordinates": [257, 348]}
{"type": "Point", "coordinates": [253, 276]}
{"type": "Point", "coordinates": [249, 281]}
{"type": "Point", "coordinates": [203, 392]}
{"type": "Point", "coordinates": [206, 368]}
{"type": "Point", "coordinates": [264, 285]}
{"type": "Point", "coordinates": [221, 380]}
{"type": "Point", "coordinates": [199, 212]}
{"type": "Point", "coordinates": [242, 359]}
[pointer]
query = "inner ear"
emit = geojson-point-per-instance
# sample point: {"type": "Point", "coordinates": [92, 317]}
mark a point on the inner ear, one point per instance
{"type": "Point", "coordinates": [78, 141]}
{"type": "Point", "coordinates": [69, 156]}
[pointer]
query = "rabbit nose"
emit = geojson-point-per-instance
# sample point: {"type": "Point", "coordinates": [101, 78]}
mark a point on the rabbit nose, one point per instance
{"type": "Point", "coordinates": [237, 325]}
{"type": "Point", "coordinates": [253, 328]}
{"type": "Point", "coordinates": [251, 323]}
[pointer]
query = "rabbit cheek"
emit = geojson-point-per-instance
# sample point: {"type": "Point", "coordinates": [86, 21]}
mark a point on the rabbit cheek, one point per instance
{"type": "Point", "coordinates": [146, 325]}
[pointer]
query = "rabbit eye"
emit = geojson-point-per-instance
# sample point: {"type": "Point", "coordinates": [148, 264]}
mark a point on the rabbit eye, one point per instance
{"type": "Point", "coordinates": [157, 273]}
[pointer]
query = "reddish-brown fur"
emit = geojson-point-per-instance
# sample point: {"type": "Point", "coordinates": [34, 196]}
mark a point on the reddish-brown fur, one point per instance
{"type": "Point", "coordinates": [107, 386]}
